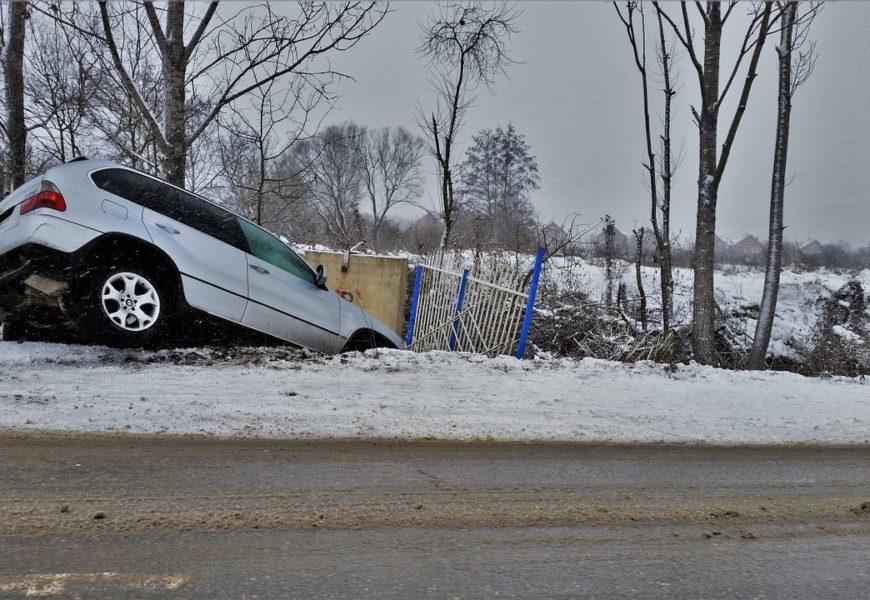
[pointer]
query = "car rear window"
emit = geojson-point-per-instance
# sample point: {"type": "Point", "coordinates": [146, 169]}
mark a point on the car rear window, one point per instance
{"type": "Point", "coordinates": [128, 184]}
{"type": "Point", "coordinates": [174, 203]}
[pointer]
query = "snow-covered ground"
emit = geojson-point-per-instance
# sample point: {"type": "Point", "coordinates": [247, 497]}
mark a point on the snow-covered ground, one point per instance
{"type": "Point", "coordinates": [397, 394]}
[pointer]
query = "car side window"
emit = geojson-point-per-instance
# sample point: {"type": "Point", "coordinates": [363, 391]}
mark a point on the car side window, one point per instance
{"type": "Point", "coordinates": [129, 185]}
{"type": "Point", "coordinates": [201, 215]}
{"type": "Point", "coordinates": [270, 249]}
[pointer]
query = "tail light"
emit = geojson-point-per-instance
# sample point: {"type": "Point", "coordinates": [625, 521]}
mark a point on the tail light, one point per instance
{"type": "Point", "coordinates": [48, 197]}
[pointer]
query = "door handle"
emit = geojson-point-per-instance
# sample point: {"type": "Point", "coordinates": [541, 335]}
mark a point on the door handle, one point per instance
{"type": "Point", "coordinates": [168, 228]}
{"type": "Point", "coordinates": [259, 269]}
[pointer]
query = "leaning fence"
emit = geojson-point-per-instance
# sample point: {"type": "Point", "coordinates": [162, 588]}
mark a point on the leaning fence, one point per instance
{"type": "Point", "coordinates": [485, 308]}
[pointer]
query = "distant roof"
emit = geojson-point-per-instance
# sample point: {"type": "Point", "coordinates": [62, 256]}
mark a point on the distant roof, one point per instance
{"type": "Point", "coordinates": [813, 247]}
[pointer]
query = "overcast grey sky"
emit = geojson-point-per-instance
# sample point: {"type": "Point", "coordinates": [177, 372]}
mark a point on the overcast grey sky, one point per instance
{"type": "Point", "coordinates": [575, 95]}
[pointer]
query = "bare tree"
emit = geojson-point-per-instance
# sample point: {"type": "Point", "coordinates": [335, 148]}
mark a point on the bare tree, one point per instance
{"type": "Point", "coordinates": [390, 161]}
{"type": "Point", "coordinates": [336, 180]}
{"type": "Point", "coordinates": [61, 83]}
{"type": "Point", "coordinates": [113, 115]}
{"type": "Point", "coordinates": [15, 127]}
{"type": "Point", "coordinates": [660, 203]}
{"type": "Point", "coordinates": [712, 161]}
{"type": "Point", "coordinates": [793, 71]}
{"type": "Point", "coordinates": [466, 45]}
{"type": "Point", "coordinates": [255, 151]}
{"type": "Point", "coordinates": [225, 58]}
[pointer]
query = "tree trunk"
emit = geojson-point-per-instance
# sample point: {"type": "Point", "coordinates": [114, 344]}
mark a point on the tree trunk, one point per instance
{"type": "Point", "coordinates": [14, 72]}
{"type": "Point", "coordinates": [663, 237]}
{"type": "Point", "coordinates": [764, 325]}
{"type": "Point", "coordinates": [609, 233]}
{"type": "Point", "coordinates": [704, 304]}
{"type": "Point", "coordinates": [638, 236]}
{"type": "Point", "coordinates": [447, 199]}
{"type": "Point", "coordinates": [661, 231]}
{"type": "Point", "coordinates": [174, 73]}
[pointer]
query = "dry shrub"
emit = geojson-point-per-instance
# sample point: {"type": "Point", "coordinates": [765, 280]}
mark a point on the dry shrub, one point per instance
{"type": "Point", "coordinates": [571, 326]}
{"type": "Point", "coordinates": [840, 343]}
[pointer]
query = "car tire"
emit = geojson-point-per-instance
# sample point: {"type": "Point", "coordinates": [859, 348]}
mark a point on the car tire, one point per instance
{"type": "Point", "coordinates": [126, 305]}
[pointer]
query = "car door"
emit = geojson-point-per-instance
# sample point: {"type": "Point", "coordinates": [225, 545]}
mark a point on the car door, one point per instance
{"type": "Point", "coordinates": [284, 300]}
{"type": "Point", "coordinates": [207, 245]}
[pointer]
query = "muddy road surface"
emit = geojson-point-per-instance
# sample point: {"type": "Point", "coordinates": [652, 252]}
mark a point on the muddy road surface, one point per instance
{"type": "Point", "coordinates": [131, 517]}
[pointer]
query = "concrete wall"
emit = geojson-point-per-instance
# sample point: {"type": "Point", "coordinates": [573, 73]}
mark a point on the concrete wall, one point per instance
{"type": "Point", "coordinates": [376, 284]}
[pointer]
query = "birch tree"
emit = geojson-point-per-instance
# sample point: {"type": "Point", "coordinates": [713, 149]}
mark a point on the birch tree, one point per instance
{"type": "Point", "coordinates": [466, 45]}
{"type": "Point", "coordinates": [712, 159]}
{"type": "Point", "coordinates": [794, 70]}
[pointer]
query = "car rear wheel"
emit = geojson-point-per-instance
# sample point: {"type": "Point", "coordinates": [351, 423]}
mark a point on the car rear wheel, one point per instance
{"type": "Point", "coordinates": [126, 305]}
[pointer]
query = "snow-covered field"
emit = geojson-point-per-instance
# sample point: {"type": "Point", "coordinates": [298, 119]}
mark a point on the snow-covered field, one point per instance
{"type": "Point", "coordinates": [276, 393]}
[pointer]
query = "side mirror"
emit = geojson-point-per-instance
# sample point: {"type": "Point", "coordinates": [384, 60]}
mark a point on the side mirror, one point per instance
{"type": "Point", "coordinates": [320, 276]}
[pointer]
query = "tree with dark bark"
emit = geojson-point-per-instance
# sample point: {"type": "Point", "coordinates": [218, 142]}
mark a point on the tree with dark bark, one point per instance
{"type": "Point", "coordinates": [609, 231]}
{"type": "Point", "coordinates": [15, 127]}
{"type": "Point", "coordinates": [712, 161]}
{"type": "Point", "coordinates": [466, 45]}
{"type": "Point", "coordinates": [225, 58]}
{"type": "Point", "coordinates": [793, 71]}
{"type": "Point", "coordinates": [660, 203]}
{"type": "Point", "coordinates": [638, 262]}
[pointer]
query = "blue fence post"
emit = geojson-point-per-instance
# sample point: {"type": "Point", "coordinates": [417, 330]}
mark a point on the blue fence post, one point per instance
{"type": "Point", "coordinates": [530, 305]}
{"type": "Point", "coordinates": [418, 278]}
{"type": "Point", "coordinates": [459, 302]}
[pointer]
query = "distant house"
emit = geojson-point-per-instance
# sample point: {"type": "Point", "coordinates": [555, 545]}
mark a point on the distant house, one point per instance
{"type": "Point", "coordinates": [748, 251]}
{"type": "Point", "coordinates": [554, 234]}
{"type": "Point", "coordinates": [813, 249]}
{"type": "Point", "coordinates": [622, 246]}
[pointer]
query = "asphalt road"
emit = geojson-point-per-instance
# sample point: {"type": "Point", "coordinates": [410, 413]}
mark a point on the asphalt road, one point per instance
{"type": "Point", "coordinates": [103, 517]}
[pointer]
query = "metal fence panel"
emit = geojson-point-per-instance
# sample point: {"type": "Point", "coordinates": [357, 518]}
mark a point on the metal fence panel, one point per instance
{"type": "Point", "coordinates": [479, 308]}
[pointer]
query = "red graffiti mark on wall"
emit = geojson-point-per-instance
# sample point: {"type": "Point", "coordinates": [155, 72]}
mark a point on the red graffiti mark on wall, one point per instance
{"type": "Point", "coordinates": [349, 295]}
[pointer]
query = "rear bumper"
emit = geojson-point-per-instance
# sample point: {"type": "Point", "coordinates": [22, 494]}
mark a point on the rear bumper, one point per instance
{"type": "Point", "coordinates": [33, 275]}
{"type": "Point", "coordinates": [39, 257]}
{"type": "Point", "coordinates": [43, 229]}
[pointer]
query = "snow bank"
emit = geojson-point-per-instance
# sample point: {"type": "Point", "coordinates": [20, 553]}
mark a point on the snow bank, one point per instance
{"type": "Point", "coordinates": [405, 395]}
